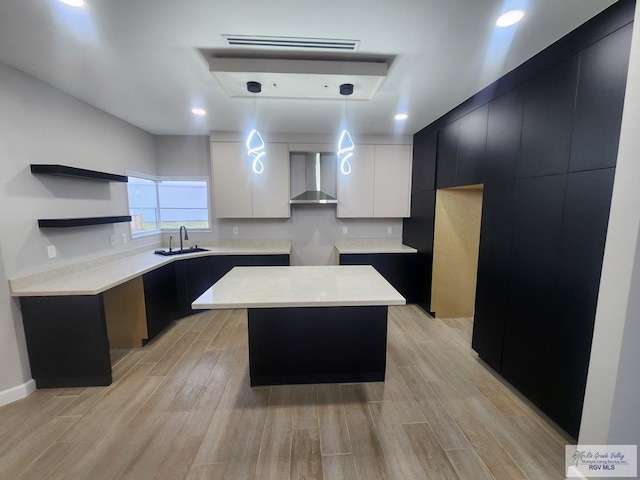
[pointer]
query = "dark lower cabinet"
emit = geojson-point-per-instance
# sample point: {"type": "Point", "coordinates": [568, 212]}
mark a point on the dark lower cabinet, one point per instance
{"type": "Point", "coordinates": [492, 287]}
{"type": "Point", "coordinates": [417, 232]}
{"type": "Point", "coordinates": [317, 345]}
{"type": "Point", "coordinates": [225, 263]}
{"type": "Point", "coordinates": [67, 340]}
{"type": "Point", "coordinates": [530, 321]}
{"type": "Point", "coordinates": [556, 261]}
{"type": "Point", "coordinates": [160, 298]}
{"type": "Point", "coordinates": [581, 251]}
{"type": "Point", "coordinates": [422, 275]}
{"type": "Point", "coordinates": [196, 275]}
{"type": "Point", "coordinates": [541, 249]}
{"type": "Point", "coordinates": [66, 336]}
{"type": "Point", "coordinates": [399, 269]}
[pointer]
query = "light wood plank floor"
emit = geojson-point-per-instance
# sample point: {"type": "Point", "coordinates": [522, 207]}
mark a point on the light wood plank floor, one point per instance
{"type": "Point", "coordinates": [181, 407]}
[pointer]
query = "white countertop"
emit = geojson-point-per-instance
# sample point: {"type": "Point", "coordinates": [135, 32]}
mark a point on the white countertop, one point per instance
{"type": "Point", "coordinates": [372, 245]}
{"type": "Point", "coordinates": [321, 286]}
{"type": "Point", "coordinates": [96, 279]}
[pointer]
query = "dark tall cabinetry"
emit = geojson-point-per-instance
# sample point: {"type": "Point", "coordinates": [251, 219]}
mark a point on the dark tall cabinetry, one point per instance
{"type": "Point", "coordinates": [543, 140]}
{"type": "Point", "coordinates": [418, 229]}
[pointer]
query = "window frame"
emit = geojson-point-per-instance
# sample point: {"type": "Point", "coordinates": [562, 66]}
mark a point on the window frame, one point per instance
{"type": "Point", "coordinates": [154, 179]}
{"type": "Point", "coordinates": [176, 178]}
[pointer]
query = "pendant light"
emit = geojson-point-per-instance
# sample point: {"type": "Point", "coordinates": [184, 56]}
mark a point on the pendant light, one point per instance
{"type": "Point", "coordinates": [255, 144]}
{"type": "Point", "coordinates": [345, 143]}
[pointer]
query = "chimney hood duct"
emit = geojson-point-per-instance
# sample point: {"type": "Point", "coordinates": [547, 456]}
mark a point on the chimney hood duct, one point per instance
{"type": "Point", "coordinates": [313, 183]}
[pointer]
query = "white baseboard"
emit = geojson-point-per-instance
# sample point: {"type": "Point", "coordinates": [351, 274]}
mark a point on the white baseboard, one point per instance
{"type": "Point", "coordinates": [17, 393]}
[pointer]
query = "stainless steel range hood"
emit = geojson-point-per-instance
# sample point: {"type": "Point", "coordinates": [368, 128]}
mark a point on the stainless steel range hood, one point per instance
{"type": "Point", "coordinates": [318, 170]}
{"type": "Point", "coordinates": [313, 196]}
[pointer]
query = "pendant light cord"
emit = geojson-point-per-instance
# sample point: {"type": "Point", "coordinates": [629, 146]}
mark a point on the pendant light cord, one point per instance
{"type": "Point", "coordinates": [255, 112]}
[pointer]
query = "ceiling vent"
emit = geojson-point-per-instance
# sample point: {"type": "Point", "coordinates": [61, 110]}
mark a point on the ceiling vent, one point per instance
{"type": "Point", "coordinates": [296, 43]}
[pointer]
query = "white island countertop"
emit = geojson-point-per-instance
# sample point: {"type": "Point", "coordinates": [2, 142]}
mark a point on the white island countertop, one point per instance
{"type": "Point", "coordinates": [320, 286]}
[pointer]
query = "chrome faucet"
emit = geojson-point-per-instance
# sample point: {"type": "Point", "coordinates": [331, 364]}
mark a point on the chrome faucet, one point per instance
{"type": "Point", "coordinates": [170, 238]}
{"type": "Point", "coordinates": [186, 236]}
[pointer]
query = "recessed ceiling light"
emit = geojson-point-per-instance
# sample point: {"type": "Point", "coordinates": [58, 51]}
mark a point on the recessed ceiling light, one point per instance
{"type": "Point", "coordinates": [401, 116]}
{"type": "Point", "coordinates": [509, 18]}
{"type": "Point", "coordinates": [199, 111]}
{"type": "Point", "coordinates": [73, 3]}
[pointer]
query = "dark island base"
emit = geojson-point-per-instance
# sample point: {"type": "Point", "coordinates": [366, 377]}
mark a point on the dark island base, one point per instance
{"type": "Point", "coordinates": [317, 345]}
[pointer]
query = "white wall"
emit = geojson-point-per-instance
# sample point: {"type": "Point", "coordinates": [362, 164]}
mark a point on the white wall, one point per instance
{"type": "Point", "coordinates": [40, 124]}
{"type": "Point", "coordinates": [624, 426]}
{"type": "Point", "coordinates": [312, 229]}
{"type": "Point", "coordinates": [14, 365]}
{"type": "Point", "coordinates": [611, 412]}
{"type": "Point", "coordinates": [183, 155]}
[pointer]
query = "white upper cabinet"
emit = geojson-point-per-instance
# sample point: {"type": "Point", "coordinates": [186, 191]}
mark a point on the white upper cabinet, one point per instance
{"type": "Point", "coordinates": [379, 184]}
{"type": "Point", "coordinates": [231, 170]}
{"type": "Point", "coordinates": [355, 191]}
{"type": "Point", "coordinates": [271, 187]}
{"type": "Point", "coordinates": [241, 193]}
{"type": "Point", "coordinates": [392, 181]}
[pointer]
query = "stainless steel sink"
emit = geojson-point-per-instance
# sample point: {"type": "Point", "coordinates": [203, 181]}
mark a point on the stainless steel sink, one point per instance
{"type": "Point", "coordinates": [179, 251]}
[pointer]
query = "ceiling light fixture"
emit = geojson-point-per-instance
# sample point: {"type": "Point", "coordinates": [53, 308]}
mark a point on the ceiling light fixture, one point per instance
{"type": "Point", "coordinates": [509, 18]}
{"type": "Point", "coordinates": [345, 143]}
{"type": "Point", "coordinates": [201, 112]}
{"type": "Point", "coordinates": [73, 3]}
{"type": "Point", "coordinates": [255, 144]}
{"type": "Point", "coordinates": [401, 116]}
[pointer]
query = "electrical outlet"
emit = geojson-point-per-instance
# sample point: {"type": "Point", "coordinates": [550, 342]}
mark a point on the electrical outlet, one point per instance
{"type": "Point", "coordinates": [345, 230]}
{"type": "Point", "coordinates": [114, 240]}
{"type": "Point", "coordinates": [51, 251]}
{"type": "Point", "coordinates": [235, 230]}
{"type": "Point", "coordinates": [389, 230]}
{"type": "Point", "coordinates": [125, 239]}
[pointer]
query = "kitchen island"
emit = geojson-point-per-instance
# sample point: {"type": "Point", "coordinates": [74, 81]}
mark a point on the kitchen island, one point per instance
{"type": "Point", "coordinates": [310, 324]}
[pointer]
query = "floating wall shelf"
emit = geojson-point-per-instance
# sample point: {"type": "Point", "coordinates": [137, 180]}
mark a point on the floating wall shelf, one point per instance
{"type": "Point", "coordinates": [80, 222]}
{"type": "Point", "coordinates": [65, 171]}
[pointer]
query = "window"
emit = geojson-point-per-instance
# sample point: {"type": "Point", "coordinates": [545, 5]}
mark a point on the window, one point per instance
{"type": "Point", "coordinates": [183, 202]}
{"type": "Point", "coordinates": [157, 204]}
{"type": "Point", "coordinates": [143, 205]}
